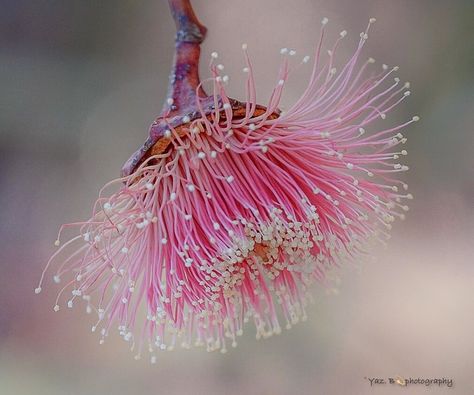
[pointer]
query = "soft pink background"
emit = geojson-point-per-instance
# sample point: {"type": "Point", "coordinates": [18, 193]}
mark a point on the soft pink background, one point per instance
{"type": "Point", "coordinates": [80, 82]}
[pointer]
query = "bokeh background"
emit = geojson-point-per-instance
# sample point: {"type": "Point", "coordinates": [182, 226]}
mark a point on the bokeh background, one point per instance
{"type": "Point", "coordinates": [80, 82]}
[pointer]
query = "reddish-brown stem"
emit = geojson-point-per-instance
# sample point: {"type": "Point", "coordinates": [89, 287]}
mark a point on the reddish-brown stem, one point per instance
{"type": "Point", "coordinates": [184, 76]}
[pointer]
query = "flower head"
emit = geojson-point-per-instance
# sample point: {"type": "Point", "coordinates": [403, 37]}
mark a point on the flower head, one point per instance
{"type": "Point", "coordinates": [235, 209]}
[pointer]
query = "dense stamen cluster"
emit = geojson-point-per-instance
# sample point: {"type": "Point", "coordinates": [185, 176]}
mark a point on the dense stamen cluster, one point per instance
{"type": "Point", "coordinates": [241, 214]}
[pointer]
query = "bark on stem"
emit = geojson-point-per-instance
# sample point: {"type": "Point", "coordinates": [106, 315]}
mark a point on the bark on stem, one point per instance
{"type": "Point", "coordinates": [184, 77]}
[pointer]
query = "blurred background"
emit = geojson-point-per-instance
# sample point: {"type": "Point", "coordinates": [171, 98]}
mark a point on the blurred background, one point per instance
{"type": "Point", "coordinates": [80, 83]}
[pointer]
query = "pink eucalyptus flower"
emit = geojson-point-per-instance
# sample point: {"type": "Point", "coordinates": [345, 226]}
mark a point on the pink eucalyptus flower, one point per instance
{"type": "Point", "coordinates": [240, 208]}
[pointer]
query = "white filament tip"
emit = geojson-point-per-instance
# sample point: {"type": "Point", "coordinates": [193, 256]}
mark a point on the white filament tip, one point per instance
{"type": "Point", "coordinates": [191, 188]}
{"type": "Point", "coordinates": [167, 134]}
{"type": "Point", "coordinates": [220, 67]}
{"type": "Point", "coordinates": [148, 186]}
{"type": "Point", "coordinates": [214, 55]}
{"type": "Point", "coordinates": [245, 69]}
{"type": "Point", "coordinates": [292, 52]}
{"type": "Point", "coordinates": [416, 118]}
{"type": "Point", "coordinates": [37, 290]}
{"type": "Point", "coordinates": [343, 33]}
{"type": "Point", "coordinates": [244, 46]}
{"type": "Point", "coordinates": [56, 308]}
{"type": "Point", "coordinates": [124, 250]}
{"type": "Point", "coordinates": [284, 51]}
{"type": "Point", "coordinates": [186, 119]}
{"type": "Point", "coordinates": [230, 179]}
{"type": "Point", "coordinates": [56, 243]}
{"type": "Point", "coordinates": [371, 60]}
{"type": "Point", "coordinates": [324, 21]}
{"type": "Point", "coordinates": [372, 20]}
{"type": "Point", "coordinates": [169, 101]}
{"type": "Point", "coordinates": [306, 59]}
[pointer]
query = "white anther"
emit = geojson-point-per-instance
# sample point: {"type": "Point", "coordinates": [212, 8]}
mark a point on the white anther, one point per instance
{"type": "Point", "coordinates": [124, 250]}
{"type": "Point", "coordinates": [164, 240]}
{"type": "Point", "coordinates": [227, 106]}
{"type": "Point", "coordinates": [216, 226]}
{"type": "Point", "coordinates": [407, 85]}
{"type": "Point", "coordinates": [416, 118]}
{"type": "Point", "coordinates": [167, 133]}
{"type": "Point", "coordinates": [292, 52]}
{"type": "Point", "coordinates": [225, 79]}
{"type": "Point", "coordinates": [361, 131]}
{"type": "Point", "coordinates": [244, 46]}
{"type": "Point", "coordinates": [306, 59]}
{"type": "Point", "coordinates": [349, 165]}
{"type": "Point", "coordinates": [56, 243]}
{"type": "Point", "coordinates": [407, 93]}
{"type": "Point", "coordinates": [371, 60]}
{"type": "Point", "coordinates": [364, 36]}
{"type": "Point", "coordinates": [383, 115]}
{"type": "Point", "coordinates": [188, 262]}
{"type": "Point", "coordinates": [214, 55]}
{"type": "Point", "coordinates": [384, 67]}
{"type": "Point", "coordinates": [281, 82]}
{"type": "Point", "coordinates": [191, 188]}
{"type": "Point", "coordinates": [56, 279]}
{"type": "Point", "coordinates": [173, 196]}
{"type": "Point", "coordinates": [188, 217]}
{"type": "Point", "coordinates": [372, 20]}
{"type": "Point", "coordinates": [404, 152]}
{"type": "Point", "coordinates": [343, 33]}
{"type": "Point", "coordinates": [245, 69]}
{"type": "Point", "coordinates": [69, 304]}
{"type": "Point", "coordinates": [186, 119]}
{"type": "Point", "coordinates": [56, 308]}
{"type": "Point", "coordinates": [284, 51]}
{"type": "Point", "coordinates": [220, 67]}
{"type": "Point", "coordinates": [230, 179]}
{"type": "Point", "coordinates": [264, 149]}
{"type": "Point", "coordinates": [325, 21]}
{"type": "Point", "coordinates": [201, 155]}
{"type": "Point", "coordinates": [252, 126]}
{"type": "Point", "coordinates": [149, 186]}
{"type": "Point", "coordinates": [37, 290]}
{"type": "Point", "coordinates": [169, 101]}
{"type": "Point", "coordinates": [213, 154]}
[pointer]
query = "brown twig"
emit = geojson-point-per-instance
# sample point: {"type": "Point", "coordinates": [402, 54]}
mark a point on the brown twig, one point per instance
{"type": "Point", "coordinates": [184, 77]}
